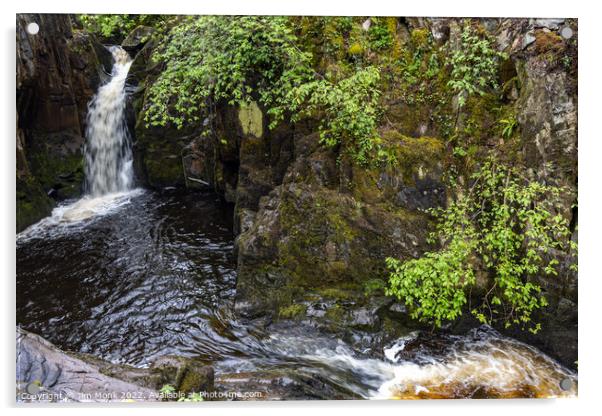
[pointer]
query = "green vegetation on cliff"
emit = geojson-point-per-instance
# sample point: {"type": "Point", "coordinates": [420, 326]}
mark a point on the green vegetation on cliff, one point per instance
{"type": "Point", "coordinates": [350, 111]}
{"type": "Point", "coordinates": [236, 59]}
{"type": "Point", "coordinates": [241, 59]}
{"type": "Point", "coordinates": [474, 65]}
{"type": "Point", "coordinates": [115, 27]}
{"type": "Point", "coordinates": [506, 226]}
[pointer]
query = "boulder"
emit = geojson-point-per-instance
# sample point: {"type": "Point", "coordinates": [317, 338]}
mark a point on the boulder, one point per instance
{"type": "Point", "coordinates": [47, 374]}
{"type": "Point", "coordinates": [185, 374]}
{"type": "Point", "coordinates": [136, 39]}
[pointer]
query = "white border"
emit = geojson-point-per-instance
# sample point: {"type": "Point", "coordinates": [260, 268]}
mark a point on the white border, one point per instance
{"type": "Point", "coordinates": [590, 201]}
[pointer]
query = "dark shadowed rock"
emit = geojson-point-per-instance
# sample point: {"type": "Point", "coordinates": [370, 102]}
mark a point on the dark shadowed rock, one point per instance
{"type": "Point", "coordinates": [136, 39]}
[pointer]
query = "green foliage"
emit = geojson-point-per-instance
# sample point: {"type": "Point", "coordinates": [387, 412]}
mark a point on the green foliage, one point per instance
{"type": "Point", "coordinates": [167, 389]}
{"type": "Point", "coordinates": [349, 111]}
{"type": "Point", "coordinates": [223, 57]}
{"type": "Point", "coordinates": [380, 36]}
{"type": "Point", "coordinates": [116, 26]}
{"type": "Point", "coordinates": [167, 392]}
{"type": "Point", "coordinates": [459, 151]}
{"type": "Point", "coordinates": [192, 397]}
{"type": "Point", "coordinates": [238, 59]}
{"type": "Point", "coordinates": [433, 285]}
{"type": "Point", "coordinates": [567, 62]}
{"type": "Point", "coordinates": [506, 227]}
{"type": "Point", "coordinates": [474, 67]}
{"type": "Point", "coordinates": [421, 64]}
{"type": "Point", "coordinates": [509, 126]}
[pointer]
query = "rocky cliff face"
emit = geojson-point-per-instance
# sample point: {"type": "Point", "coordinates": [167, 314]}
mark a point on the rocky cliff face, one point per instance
{"type": "Point", "coordinates": [58, 72]}
{"type": "Point", "coordinates": [313, 230]}
{"type": "Point", "coordinates": [546, 110]}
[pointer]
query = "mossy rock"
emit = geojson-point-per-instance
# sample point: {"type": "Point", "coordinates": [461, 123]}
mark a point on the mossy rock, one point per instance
{"type": "Point", "coordinates": [548, 42]}
{"type": "Point", "coordinates": [251, 119]}
{"type": "Point", "coordinates": [160, 151]}
{"type": "Point", "coordinates": [412, 182]}
{"type": "Point", "coordinates": [308, 239]}
{"type": "Point", "coordinates": [57, 163]}
{"type": "Point", "coordinates": [294, 311]}
{"type": "Point", "coordinates": [136, 39]}
{"type": "Point", "coordinates": [193, 378]}
{"type": "Point", "coordinates": [338, 293]}
{"type": "Point", "coordinates": [185, 374]}
{"type": "Point", "coordinates": [32, 202]}
{"type": "Point", "coordinates": [355, 49]}
{"type": "Point", "coordinates": [414, 154]}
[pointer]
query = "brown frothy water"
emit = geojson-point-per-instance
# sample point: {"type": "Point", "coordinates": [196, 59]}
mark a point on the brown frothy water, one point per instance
{"type": "Point", "coordinates": [481, 365]}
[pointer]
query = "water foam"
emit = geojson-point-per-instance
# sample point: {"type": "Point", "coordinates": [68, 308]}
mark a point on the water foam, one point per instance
{"type": "Point", "coordinates": [72, 216]}
{"type": "Point", "coordinates": [482, 364]}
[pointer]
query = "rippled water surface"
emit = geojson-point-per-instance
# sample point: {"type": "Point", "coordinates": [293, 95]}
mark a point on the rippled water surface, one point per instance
{"type": "Point", "coordinates": [135, 275]}
{"type": "Point", "coordinates": [141, 280]}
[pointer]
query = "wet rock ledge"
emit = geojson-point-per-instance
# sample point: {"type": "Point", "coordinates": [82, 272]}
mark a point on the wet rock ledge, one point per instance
{"type": "Point", "coordinates": [45, 373]}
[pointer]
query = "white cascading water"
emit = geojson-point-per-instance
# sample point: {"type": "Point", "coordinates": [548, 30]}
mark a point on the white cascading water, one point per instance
{"type": "Point", "coordinates": [107, 150]}
{"type": "Point", "coordinates": [108, 154]}
{"type": "Point", "coordinates": [481, 363]}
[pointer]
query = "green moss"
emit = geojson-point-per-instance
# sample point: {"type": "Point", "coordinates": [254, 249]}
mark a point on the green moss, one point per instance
{"type": "Point", "coordinates": [336, 293]}
{"type": "Point", "coordinates": [163, 167]}
{"type": "Point", "coordinates": [318, 226]}
{"type": "Point", "coordinates": [356, 49]}
{"type": "Point", "coordinates": [32, 202]}
{"type": "Point", "coordinates": [396, 47]}
{"type": "Point", "coordinates": [54, 168]}
{"type": "Point", "coordinates": [365, 185]}
{"type": "Point", "coordinates": [294, 311]}
{"type": "Point", "coordinates": [480, 119]}
{"type": "Point", "coordinates": [188, 380]}
{"type": "Point", "coordinates": [414, 155]}
{"type": "Point", "coordinates": [420, 37]}
{"type": "Point", "coordinates": [251, 119]}
{"type": "Point", "coordinates": [336, 314]}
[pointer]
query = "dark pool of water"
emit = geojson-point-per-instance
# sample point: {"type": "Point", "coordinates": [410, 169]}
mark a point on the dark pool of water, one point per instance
{"type": "Point", "coordinates": [142, 281]}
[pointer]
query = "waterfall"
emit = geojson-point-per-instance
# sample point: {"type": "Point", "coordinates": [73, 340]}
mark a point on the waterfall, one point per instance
{"type": "Point", "coordinates": [108, 149]}
{"type": "Point", "coordinates": [108, 156]}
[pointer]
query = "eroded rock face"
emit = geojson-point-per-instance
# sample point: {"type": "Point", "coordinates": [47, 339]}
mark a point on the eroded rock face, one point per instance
{"type": "Point", "coordinates": [547, 114]}
{"type": "Point", "coordinates": [45, 373]}
{"type": "Point", "coordinates": [58, 71]}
